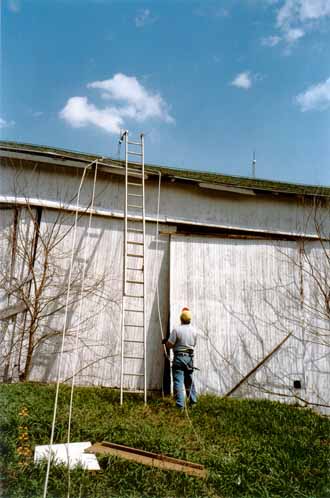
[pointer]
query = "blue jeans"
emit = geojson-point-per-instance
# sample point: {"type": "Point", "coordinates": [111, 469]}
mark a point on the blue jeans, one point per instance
{"type": "Point", "coordinates": [182, 370]}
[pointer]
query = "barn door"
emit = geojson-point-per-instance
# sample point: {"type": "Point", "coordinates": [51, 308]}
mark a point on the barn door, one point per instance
{"type": "Point", "coordinates": [238, 292]}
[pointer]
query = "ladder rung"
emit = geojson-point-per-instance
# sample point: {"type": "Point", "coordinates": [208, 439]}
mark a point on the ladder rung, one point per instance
{"type": "Point", "coordinates": [134, 391]}
{"type": "Point", "coordinates": [135, 243]}
{"type": "Point", "coordinates": [134, 341]}
{"type": "Point", "coordinates": [136, 172]}
{"type": "Point", "coordinates": [134, 311]}
{"type": "Point", "coordinates": [133, 375]}
{"type": "Point", "coordinates": [134, 281]}
{"type": "Point", "coordinates": [134, 195]}
{"type": "Point", "coordinates": [134, 206]}
{"type": "Point", "coordinates": [138, 230]}
{"type": "Point", "coordinates": [134, 219]}
{"type": "Point", "coordinates": [134, 357]}
{"type": "Point", "coordinates": [135, 326]}
{"type": "Point", "coordinates": [135, 255]}
{"type": "Point", "coordinates": [134, 153]}
{"type": "Point", "coordinates": [134, 143]}
{"type": "Point", "coordinates": [132, 295]}
{"type": "Point", "coordinates": [134, 184]}
{"type": "Point", "coordinates": [135, 269]}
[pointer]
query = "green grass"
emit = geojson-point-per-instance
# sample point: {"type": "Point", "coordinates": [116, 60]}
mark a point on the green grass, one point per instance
{"type": "Point", "coordinates": [250, 448]}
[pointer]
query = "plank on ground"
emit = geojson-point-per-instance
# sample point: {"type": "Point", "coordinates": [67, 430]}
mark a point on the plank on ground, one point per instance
{"type": "Point", "coordinates": [148, 458]}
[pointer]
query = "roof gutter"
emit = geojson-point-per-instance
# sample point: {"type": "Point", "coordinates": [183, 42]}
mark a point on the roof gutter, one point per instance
{"type": "Point", "coordinates": [105, 167]}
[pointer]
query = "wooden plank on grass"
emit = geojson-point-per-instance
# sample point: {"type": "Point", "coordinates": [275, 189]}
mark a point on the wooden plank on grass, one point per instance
{"type": "Point", "coordinates": [148, 458]}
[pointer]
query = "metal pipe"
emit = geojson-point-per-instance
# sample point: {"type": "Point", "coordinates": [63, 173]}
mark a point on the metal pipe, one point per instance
{"type": "Point", "coordinates": [144, 274]}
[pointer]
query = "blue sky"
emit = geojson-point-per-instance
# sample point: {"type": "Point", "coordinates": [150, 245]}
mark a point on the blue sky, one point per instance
{"type": "Point", "coordinates": [208, 82]}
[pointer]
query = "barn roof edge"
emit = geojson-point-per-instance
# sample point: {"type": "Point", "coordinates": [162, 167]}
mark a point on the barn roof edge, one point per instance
{"type": "Point", "coordinates": [204, 177]}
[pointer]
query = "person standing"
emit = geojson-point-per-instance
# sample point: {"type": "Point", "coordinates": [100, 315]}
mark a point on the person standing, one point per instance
{"type": "Point", "coordinates": [183, 341]}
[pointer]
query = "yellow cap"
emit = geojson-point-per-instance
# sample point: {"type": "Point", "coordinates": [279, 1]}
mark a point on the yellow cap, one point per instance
{"type": "Point", "coordinates": [185, 314]}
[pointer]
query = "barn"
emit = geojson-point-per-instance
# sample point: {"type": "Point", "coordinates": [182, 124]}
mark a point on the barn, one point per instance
{"type": "Point", "coordinates": [250, 257]}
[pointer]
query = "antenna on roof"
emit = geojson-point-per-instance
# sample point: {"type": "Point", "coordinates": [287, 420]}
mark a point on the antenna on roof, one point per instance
{"type": "Point", "coordinates": [254, 162]}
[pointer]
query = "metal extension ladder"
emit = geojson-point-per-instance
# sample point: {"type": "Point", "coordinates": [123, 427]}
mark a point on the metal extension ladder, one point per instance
{"type": "Point", "coordinates": [133, 336]}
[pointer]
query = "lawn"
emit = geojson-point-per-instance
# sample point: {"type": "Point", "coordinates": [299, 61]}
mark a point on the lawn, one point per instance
{"type": "Point", "coordinates": [250, 448]}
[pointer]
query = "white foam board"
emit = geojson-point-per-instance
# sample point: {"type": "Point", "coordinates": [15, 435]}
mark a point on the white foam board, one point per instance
{"type": "Point", "coordinates": [71, 454]}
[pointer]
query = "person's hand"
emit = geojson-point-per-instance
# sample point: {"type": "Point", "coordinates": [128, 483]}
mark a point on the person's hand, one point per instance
{"type": "Point", "coordinates": [164, 341]}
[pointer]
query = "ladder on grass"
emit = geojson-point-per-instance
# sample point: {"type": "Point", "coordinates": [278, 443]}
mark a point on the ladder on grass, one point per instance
{"type": "Point", "coordinates": [133, 333]}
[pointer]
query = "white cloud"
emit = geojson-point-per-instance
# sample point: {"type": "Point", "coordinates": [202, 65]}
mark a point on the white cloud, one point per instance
{"type": "Point", "coordinates": [294, 11]}
{"type": "Point", "coordinates": [316, 97]}
{"type": "Point", "coordinates": [294, 34]}
{"type": "Point", "coordinates": [242, 80]}
{"type": "Point", "coordinates": [78, 112]}
{"type": "Point", "coordinates": [127, 89]}
{"type": "Point", "coordinates": [270, 41]}
{"type": "Point", "coordinates": [143, 18]}
{"type": "Point", "coordinates": [6, 124]}
{"type": "Point", "coordinates": [314, 9]}
{"type": "Point", "coordinates": [294, 19]}
{"type": "Point", "coordinates": [129, 101]}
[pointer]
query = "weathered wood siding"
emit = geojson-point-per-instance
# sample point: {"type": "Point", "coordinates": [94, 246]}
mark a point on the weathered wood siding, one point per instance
{"type": "Point", "coordinates": [182, 202]}
{"type": "Point", "coordinates": [6, 223]}
{"type": "Point", "coordinates": [16, 241]}
{"type": "Point", "coordinates": [6, 338]}
{"type": "Point", "coordinates": [315, 322]}
{"type": "Point", "coordinates": [245, 296]}
{"type": "Point", "coordinates": [98, 317]}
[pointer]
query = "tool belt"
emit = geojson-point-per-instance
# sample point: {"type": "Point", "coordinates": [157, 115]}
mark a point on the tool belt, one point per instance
{"type": "Point", "coordinates": [183, 353]}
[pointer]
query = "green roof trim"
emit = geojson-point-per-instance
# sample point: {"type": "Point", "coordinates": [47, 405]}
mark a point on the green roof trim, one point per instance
{"type": "Point", "coordinates": [185, 175]}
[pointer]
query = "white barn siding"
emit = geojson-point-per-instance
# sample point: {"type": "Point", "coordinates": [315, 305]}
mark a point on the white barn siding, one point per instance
{"type": "Point", "coordinates": [6, 338]}
{"type": "Point", "coordinates": [99, 308]}
{"type": "Point", "coordinates": [245, 294]}
{"type": "Point", "coordinates": [316, 324]}
{"type": "Point", "coordinates": [245, 298]}
{"type": "Point", "coordinates": [261, 212]}
{"type": "Point", "coordinates": [185, 203]}
{"type": "Point", "coordinates": [100, 323]}
{"type": "Point", "coordinates": [6, 224]}
{"type": "Point", "coordinates": [17, 236]}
